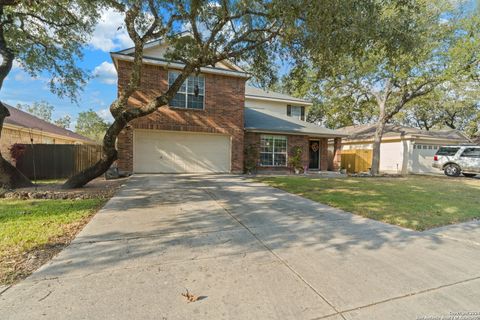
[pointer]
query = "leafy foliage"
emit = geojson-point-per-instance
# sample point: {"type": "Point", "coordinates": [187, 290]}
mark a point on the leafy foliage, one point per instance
{"type": "Point", "coordinates": [452, 105]}
{"type": "Point", "coordinates": [406, 58]}
{"type": "Point", "coordinates": [91, 125]}
{"type": "Point", "coordinates": [295, 160]}
{"type": "Point", "coordinates": [48, 36]}
{"type": "Point", "coordinates": [42, 110]}
{"type": "Point", "coordinates": [64, 122]}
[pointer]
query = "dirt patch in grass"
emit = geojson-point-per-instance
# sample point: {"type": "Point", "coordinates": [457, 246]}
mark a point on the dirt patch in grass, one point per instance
{"type": "Point", "coordinates": [98, 188]}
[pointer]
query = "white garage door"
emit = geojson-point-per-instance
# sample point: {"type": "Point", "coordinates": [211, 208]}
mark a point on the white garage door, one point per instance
{"type": "Point", "coordinates": [180, 152]}
{"type": "Point", "coordinates": [422, 158]}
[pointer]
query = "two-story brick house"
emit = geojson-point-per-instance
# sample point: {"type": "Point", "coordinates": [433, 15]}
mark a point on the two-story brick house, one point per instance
{"type": "Point", "coordinates": [212, 120]}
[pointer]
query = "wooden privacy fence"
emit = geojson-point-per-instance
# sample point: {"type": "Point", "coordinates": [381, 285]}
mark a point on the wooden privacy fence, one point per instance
{"type": "Point", "coordinates": [55, 161]}
{"type": "Point", "coordinates": [356, 161]}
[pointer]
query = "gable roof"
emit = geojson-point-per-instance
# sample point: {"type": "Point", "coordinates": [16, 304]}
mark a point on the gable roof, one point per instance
{"type": "Point", "coordinates": [261, 120]}
{"type": "Point", "coordinates": [26, 120]}
{"type": "Point", "coordinates": [256, 93]}
{"type": "Point", "coordinates": [154, 54]}
{"type": "Point", "coordinates": [367, 131]}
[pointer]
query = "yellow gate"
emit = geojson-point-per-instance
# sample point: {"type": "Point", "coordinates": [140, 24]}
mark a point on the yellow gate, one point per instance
{"type": "Point", "coordinates": [356, 161]}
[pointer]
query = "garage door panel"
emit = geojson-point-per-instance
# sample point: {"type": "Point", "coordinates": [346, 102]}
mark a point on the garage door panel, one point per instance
{"type": "Point", "coordinates": [422, 159]}
{"type": "Point", "coordinates": [177, 152]}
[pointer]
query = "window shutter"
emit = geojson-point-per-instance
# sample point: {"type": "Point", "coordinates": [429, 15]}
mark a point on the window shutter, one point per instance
{"type": "Point", "coordinates": [289, 110]}
{"type": "Point", "coordinates": [303, 113]}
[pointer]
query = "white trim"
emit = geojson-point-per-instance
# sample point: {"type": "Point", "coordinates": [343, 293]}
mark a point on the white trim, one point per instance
{"type": "Point", "coordinates": [180, 66]}
{"type": "Point", "coordinates": [296, 102]}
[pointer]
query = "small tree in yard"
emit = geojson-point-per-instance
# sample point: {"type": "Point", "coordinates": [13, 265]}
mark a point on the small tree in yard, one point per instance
{"type": "Point", "coordinates": [43, 36]}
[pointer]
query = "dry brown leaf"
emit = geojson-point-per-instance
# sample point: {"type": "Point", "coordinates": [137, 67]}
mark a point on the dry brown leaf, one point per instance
{"type": "Point", "coordinates": [190, 297]}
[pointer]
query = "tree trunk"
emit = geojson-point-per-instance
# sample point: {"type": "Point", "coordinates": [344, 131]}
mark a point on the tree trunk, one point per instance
{"type": "Point", "coordinates": [109, 155]}
{"type": "Point", "coordinates": [10, 177]}
{"type": "Point", "coordinates": [377, 140]}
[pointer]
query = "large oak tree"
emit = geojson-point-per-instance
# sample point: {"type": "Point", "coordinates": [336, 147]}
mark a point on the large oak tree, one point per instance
{"type": "Point", "coordinates": [406, 58]}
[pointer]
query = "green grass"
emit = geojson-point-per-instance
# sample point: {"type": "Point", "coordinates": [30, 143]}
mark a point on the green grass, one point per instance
{"type": "Point", "coordinates": [50, 181]}
{"type": "Point", "coordinates": [29, 224]}
{"type": "Point", "coordinates": [415, 202]}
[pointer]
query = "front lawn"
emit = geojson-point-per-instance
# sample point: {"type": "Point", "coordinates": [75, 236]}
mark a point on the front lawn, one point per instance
{"type": "Point", "coordinates": [415, 202]}
{"type": "Point", "coordinates": [32, 231]}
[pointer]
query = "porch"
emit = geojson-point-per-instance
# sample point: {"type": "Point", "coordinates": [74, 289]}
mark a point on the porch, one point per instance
{"type": "Point", "coordinates": [276, 153]}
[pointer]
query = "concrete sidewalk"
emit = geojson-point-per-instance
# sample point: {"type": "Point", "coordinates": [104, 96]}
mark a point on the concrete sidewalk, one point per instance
{"type": "Point", "coordinates": [251, 252]}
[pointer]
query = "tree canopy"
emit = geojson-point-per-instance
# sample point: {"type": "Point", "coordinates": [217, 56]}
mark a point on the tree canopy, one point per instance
{"type": "Point", "coordinates": [91, 125]}
{"type": "Point", "coordinates": [42, 110]}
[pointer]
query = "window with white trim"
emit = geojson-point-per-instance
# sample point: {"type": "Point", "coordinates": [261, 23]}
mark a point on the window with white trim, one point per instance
{"type": "Point", "coordinates": [273, 151]}
{"type": "Point", "coordinates": [297, 112]}
{"type": "Point", "coordinates": [191, 94]}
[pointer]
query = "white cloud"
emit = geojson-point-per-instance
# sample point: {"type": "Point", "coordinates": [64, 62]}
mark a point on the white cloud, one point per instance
{"type": "Point", "coordinates": [106, 73]}
{"type": "Point", "coordinates": [105, 115]}
{"type": "Point", "coordinates": [15, 65]}
{"type": "Point", "coordinates": [110, 33]}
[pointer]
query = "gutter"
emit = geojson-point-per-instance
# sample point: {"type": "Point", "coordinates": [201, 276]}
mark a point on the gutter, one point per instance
{"type": "Point", "coordinates": [296, 133]}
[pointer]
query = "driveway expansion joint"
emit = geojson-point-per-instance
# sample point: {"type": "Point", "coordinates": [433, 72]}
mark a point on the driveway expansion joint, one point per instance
{"type": "Point", "coordinates": [401, 297]}
{"type": "Point", "coordinates": [285, 263]}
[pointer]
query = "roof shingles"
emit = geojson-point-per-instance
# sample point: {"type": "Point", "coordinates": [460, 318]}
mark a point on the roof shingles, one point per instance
{"type": "Point", "coordinates": [266, 121]}
{"type": "Point", "coordinates": [23, 119]}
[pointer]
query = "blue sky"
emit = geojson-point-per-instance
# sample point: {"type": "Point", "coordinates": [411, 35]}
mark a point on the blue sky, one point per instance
{"type": "Point", "coordinates": [100, 91]}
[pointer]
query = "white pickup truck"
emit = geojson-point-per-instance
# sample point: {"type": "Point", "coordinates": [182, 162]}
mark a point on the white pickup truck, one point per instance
{"type": "Point", "coordinates": [456, 160]}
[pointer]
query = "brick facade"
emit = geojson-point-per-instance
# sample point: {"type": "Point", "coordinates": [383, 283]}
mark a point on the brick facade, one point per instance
{"type": "Point", "coordinates": [223, 111]}
{"type": "Point", "coordinates": [253, 138]}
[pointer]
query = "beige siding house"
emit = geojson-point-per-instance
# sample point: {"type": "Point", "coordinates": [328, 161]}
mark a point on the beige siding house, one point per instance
{"type": "Point", "coordinates": [21, 127]}
{"type": "Point", "coordinates": [403, 149]}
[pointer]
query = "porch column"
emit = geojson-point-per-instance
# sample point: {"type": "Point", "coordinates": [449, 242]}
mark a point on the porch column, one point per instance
{"type": "Point", "coordinates": [323, 154]}
{"type": "Point", "coordinates": [337, 147]}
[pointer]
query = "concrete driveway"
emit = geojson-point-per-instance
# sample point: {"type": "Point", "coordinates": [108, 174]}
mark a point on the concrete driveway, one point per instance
{"type": "Point", "coordinates": [251, 252]}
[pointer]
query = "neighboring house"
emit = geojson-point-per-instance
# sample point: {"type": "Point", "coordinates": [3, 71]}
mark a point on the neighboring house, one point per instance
{"type": "Point", "coordinates": [212, 120]}
{"type": "Point", "coordinates": [21, 127]}
{"type": "Point", "coordinates": [403, 149]}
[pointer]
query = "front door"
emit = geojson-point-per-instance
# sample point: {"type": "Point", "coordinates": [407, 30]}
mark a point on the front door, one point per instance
{"type": "Point", "coordinates": [314, 148]}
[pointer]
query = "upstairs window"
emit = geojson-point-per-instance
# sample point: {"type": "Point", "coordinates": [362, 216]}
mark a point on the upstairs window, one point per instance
{"type": "Point", "coordinates": [297, 112]}
{"type": "Point", "coordinates": [191, 94]}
